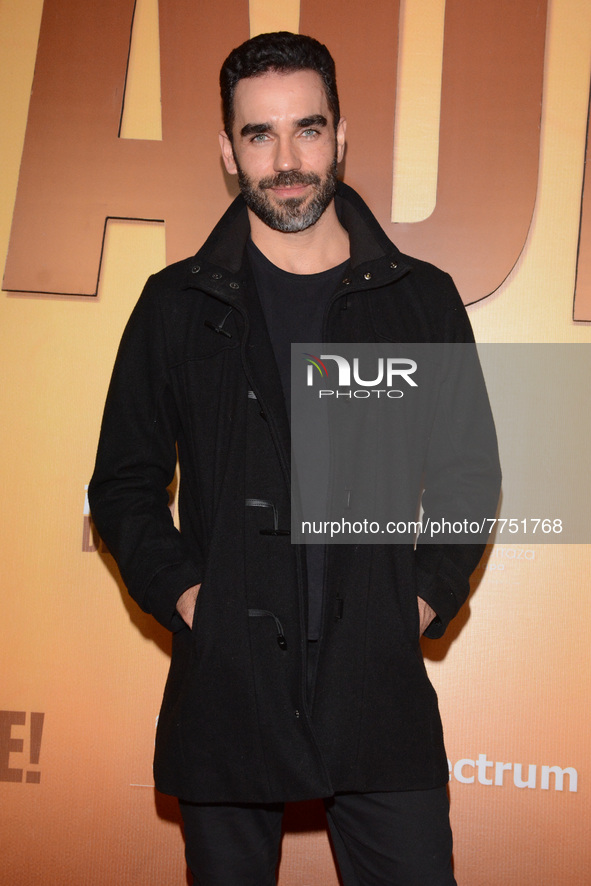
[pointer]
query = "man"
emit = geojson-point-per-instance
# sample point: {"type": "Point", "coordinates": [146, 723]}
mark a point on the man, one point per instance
{"type": "Point", "coordinates": [291, 677]}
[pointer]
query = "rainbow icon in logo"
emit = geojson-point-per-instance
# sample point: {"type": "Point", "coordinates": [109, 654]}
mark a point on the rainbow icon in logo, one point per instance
{"type": "Point", "coordinates": [315, 362]}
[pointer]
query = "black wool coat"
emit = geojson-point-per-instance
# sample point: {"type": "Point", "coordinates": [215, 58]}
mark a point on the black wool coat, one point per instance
{"type": "Point", "coordinates": [195, 374]}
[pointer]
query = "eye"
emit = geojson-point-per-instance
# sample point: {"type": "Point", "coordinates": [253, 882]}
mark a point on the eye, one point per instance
{"type": "Point", "coordinates": [310, 133]}
{"type": "Point", "coordinates": [260, 138]}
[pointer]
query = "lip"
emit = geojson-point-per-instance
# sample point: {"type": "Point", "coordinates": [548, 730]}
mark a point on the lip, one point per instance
{"type": "Point", "coordinates": [292, 191]}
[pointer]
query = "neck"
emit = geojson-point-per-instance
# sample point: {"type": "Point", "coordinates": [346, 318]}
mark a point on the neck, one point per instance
{"type": "Point", "coordinates": [322, 246]}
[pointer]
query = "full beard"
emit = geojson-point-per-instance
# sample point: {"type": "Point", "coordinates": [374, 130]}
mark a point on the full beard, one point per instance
{"type": "Point", "coordinates": [295, 213]}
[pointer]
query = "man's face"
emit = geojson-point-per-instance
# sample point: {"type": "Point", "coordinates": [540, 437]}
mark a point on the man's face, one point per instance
{"type": "Point", "coordinates": [284, 151]}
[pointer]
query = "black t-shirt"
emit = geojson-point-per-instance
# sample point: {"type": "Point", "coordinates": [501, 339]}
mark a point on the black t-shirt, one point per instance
{"type": "Point", "coordinates": [294, 307]}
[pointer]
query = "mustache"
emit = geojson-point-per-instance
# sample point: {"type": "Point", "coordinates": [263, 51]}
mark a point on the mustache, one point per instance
{"type": "Point", "coordinates": [288, 179]}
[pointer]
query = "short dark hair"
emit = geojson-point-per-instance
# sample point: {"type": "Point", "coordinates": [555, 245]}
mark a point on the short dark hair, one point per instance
{"type": "Point", "coordinates": [279, 51]}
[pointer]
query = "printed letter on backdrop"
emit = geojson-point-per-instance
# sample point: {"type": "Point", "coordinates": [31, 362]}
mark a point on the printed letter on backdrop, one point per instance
{"type": "Point", "coordinates": [76, 172]}
{"type": "Point", "coordinates": [582, 306]}
{"type": "Point", "coordinates": [493, 60]}
{"type": "Point", "coordinates": [9, 744]}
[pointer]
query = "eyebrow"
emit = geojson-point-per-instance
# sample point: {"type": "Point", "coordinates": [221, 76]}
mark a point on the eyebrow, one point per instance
{"type": "Point", "coordinates": [261, 128]}
{"type": "Point", "coordinates": [314, 120]}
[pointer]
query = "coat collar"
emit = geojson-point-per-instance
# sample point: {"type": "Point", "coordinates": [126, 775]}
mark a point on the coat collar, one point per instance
{"type": "Point", "coordinates": [219, 266]}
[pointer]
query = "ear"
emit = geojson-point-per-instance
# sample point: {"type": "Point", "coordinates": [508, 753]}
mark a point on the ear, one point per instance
{"type": "Point", "coordinates": [341, 132]}
{"type": "Point", "coordinates": [227, 153]}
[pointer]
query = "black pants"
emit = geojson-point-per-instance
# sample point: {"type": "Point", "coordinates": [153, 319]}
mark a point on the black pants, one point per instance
{"type": "Point", "coordinates": [401, 838]}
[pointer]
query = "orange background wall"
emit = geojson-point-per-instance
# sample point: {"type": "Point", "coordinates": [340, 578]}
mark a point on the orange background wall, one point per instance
{"type": "Point", "coordinates": [514, 674]}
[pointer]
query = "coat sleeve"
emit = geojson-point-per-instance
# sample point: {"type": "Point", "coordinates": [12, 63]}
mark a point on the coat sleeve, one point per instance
{"type": "Point", "coordinates": [135, 464]}
{"type": "Point", "coordinates": [462, 474]}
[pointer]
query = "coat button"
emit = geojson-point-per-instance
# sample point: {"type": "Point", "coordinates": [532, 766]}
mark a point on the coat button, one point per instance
{"type": "Point", "coordinates": [393, 265]}
{"type": "Point", "coordinates": [195, 269]}
{"type": "Point", "coordinates": [367, 276]}
{"type": "Point", "coordinates": [234, 285]}
{"type": "Point", "coordinates": [297, 713]}
{"type": "Point", "coordinates": [346, 281]}
{"type": "Point", "coordinates": [216, 276]}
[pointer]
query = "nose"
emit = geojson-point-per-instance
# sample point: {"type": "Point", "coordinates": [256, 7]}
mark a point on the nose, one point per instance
{"type": "Point", "coordinates": [286, 156]}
